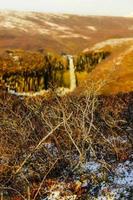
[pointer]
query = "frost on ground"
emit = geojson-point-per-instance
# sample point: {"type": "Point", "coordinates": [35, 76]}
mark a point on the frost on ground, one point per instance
{"type": "Point", "coordinates": [91, 166]}
{"type": "Point", "coordinates": [29, 94]}
{"type": "Point", "coordinates": [56, 196]}
{"type": "Point", "coordinates": [117, 185]}
{"type": "Point", "coordinates": [92, 28]}
{"type": "Point", "coordinates": [124, 174]}
{"type": "Point", "coordinates": [60, 191]}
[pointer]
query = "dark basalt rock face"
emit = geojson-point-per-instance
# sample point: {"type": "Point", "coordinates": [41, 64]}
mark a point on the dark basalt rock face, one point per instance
{"type": "Point", "coordinates": [32, 71]}
{"type": "Point", "coordinates": [88, 61]}
{"type": "Point", "coordinates": [35, 71]}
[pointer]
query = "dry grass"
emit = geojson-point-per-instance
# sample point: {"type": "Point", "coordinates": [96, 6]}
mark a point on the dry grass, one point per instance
{"type": "Point", "coordinates": [106, 27]}
{"type": "Point", "coordinates": [61, 132]}
{"type": "Point", "coordinates": [117, 71]}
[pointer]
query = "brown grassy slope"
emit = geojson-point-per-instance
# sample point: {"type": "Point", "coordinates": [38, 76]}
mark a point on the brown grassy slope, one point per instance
{"type": "Point", "coordinates": [115, 74]}
{"type": "Point", "coordinates": [69, 33]}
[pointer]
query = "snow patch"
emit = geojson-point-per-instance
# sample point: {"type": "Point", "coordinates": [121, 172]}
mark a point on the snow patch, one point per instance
{"type": "Point", "coordinates": [16, 22]}
{"type": "Point", "coordinates": [111, 42]}
{"type": "Point", "coordinates": [124, 174]}
{"type": "Point", "coordinates": [59, 15]}
{"type": "Point", "coordinates": [114, 193]}
{"type": "Point", "coordinates": [43, 31]}
{"type": "Point", "coordinates": [28, 94]}
{"type": "Point", "coordinates": [91, 166]}
{"type": "Point", "coordinates": [20, 20]}
{"type": "Point", "coordinates": [86, 50]}
{"type": "Point", "coordinates": [92, 28]}
{"type": "Point", "coordinates": [55, 195]}
{"type": "Point", "coordinates": [56, 26]}
{"type": "Point", "coordinates": [74, 35]}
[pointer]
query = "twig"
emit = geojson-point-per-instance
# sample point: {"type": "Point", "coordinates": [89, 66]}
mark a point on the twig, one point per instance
{"type": "Point", "coordinates": [39, 144]}
{"type": "Point", "coordinates": [1, 196]}
{"type": "Point", "coordinates": [10, 188]}
{"type": "Point", "coordinates": [40, 186]}
{"type": "Point", "coordinates": [28, 193]}
{"type": "Point", "coordinates": [37, 147]}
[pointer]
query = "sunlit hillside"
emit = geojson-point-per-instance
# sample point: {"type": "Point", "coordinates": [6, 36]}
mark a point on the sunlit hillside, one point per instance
{"type": "Point", "coordinates": [115, 74]}
{"type": "Point", "coordinates": [59, 32]}
{"type": "Point", "coordinates": [66, 107]}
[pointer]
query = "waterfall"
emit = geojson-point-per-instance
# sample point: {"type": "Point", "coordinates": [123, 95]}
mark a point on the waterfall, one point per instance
{"type": "Point", "coordinates": [72, 73]}
{"type": "Point", "coordinates": [60, 91]}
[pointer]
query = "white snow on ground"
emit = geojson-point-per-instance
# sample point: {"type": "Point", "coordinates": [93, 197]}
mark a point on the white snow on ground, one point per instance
{"type": "Point", "coordinates": [7, 24]}
{"type": "Point", "coordinates": [74, 35]}
{"type": "Point", "coordinates": [121, 184]}
{"type": "Point", "coordinates": [55, 195]}
{"type": "Point", "coordinates": [59, 15]}
{"type": "Point", "coordinates": [29, 94]}
{"type": "Point", "coordinates": [92, 28]}
{"type": "Point", "coordinates": [23, 20]}
{"type": "Point", "coordinates": [117, 186]}
{"type": "Point", "coordinates": [91, 166]}
{"type": "Point", "coordinates": [15, 21]}
{"type": "Point", "coordinates": [43, 31]}
{"type": "Point", "coordinates": [86, 50]}
{"type": "Point", "coordinates": [35, 15]}
{"type": "Point", "coordinates": [124, 174]}
{"type": "Point", "coordinates": [56, 26]}
{"type": "Point", "coordinates": [114, 194]}
{"type": "Point", "coordinates": [111, 42]}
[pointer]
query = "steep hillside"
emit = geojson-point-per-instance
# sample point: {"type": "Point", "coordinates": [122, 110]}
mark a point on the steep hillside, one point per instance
{"type": "Point", "coordinates": [108, 65]}
{"type": "Point", "coordinates": [59, 32]}
{"type": "Point", "coordinates": [116, 73]}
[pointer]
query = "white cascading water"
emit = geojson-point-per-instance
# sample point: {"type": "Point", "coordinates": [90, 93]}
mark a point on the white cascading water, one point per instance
{"type": "Point", "coordinates": [72, 73]}
{"type": "Point", "coordinates": [59, 91]}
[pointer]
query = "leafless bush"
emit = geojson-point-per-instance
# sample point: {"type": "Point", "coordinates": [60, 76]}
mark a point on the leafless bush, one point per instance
{"type": "Point", "coordinates": [62, 132]}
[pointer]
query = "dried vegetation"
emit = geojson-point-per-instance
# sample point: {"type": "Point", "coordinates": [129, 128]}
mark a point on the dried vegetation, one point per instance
{"type": "Point", "coordinates": [50, 138]}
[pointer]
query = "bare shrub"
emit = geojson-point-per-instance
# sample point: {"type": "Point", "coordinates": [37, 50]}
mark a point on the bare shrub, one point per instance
{"type": "Point", "coordinates": [37, 133]}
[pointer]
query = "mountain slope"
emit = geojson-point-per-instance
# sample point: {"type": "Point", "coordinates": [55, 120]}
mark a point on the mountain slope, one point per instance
{"type": "Point", "coordinates": [115, 74]}
{"type": "Point", "coordinates": [59, 32]}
